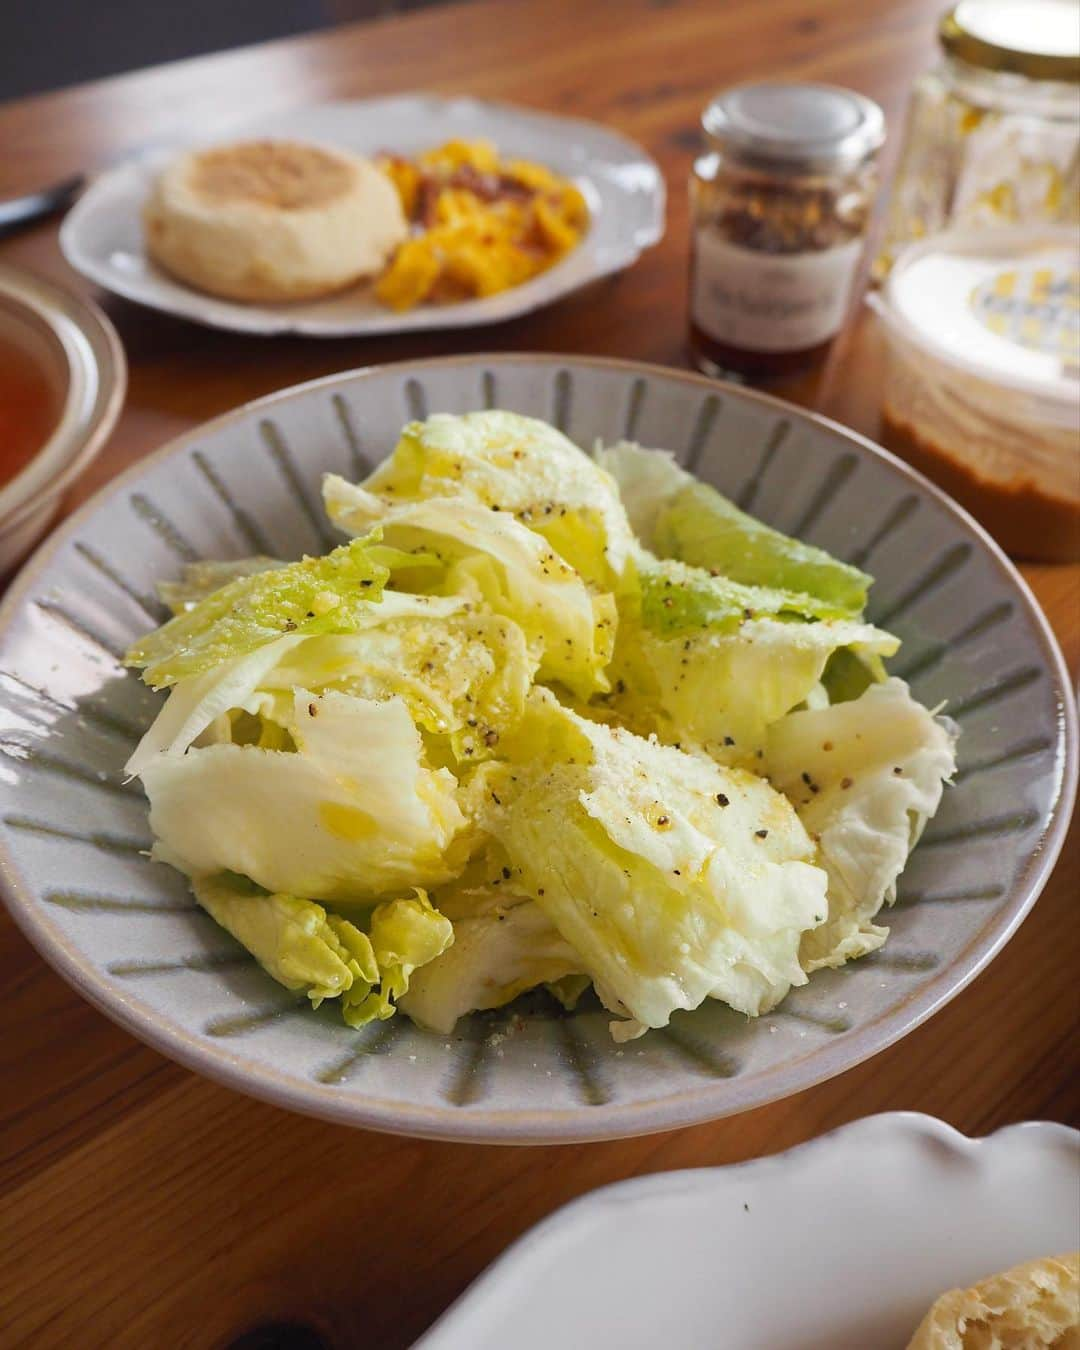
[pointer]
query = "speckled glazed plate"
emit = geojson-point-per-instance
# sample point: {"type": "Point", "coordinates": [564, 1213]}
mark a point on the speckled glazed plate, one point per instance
{"type": "Point", "coordinates": [126, 933]}
{"type": "Point", "coordinates": [102, 234]}
{"type": "Point", "coordinates": [840, 1244]}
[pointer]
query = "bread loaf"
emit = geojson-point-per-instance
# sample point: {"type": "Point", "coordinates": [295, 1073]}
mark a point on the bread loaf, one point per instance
{"type": "Point", "coordinates": [270, 221]}
{"type": "Point", "coordinates": [1035, 1306]}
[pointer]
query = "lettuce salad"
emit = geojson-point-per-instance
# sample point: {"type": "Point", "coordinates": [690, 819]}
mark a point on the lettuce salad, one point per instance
{"type": "Point", "coordinates": [545, 719]}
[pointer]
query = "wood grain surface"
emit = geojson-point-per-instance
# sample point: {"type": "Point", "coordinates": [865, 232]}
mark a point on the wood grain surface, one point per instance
{"type": "Point", "coordinates": [143, 1207]}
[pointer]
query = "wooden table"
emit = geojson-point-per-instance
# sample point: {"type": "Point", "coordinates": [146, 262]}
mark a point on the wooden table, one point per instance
{"type": "Point", "coordinates": [141, 1206]}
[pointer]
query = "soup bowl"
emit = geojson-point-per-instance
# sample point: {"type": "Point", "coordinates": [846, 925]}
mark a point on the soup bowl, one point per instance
{"type": "Point", "coordinates": [76, 352]}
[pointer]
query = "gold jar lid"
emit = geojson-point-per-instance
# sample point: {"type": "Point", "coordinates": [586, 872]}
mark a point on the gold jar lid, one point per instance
{"type": "Point", "coordinates": [1038, 39]}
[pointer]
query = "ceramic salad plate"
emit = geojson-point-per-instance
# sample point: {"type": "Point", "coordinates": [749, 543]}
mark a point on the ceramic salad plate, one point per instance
{"type": "Point", "coordinates": [127, 934]}
{"type": "Point", "coordinates": [842, 1243]}
{"type": "Point", "coordinates": [623, 188]}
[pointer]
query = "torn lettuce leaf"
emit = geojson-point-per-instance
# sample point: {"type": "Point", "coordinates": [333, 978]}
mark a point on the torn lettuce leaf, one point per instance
{"type": "Point", "coordinates": [196, 702]}
{"type": "Point", "coordinates": [702, 667]}
{"type": "Point", "coordinates": [331, 594]}
{"type": "Point", "coordinates": [504, 944]}
{"type": "Point", "coordinates": [202, 578]}
{"type": "Point", "coordinates": [491, 558]}
{"type": "Point", "coordinates": [720, 692]}
{"type": "Point", "coordinates": [463, 675]}
{"type": "Point", "coordinates": [865, 776]}
{"type": "Point", "coordinates": [351, 815]}
{"type": "Point", "coordinates": [519, 465]}
{"type": "Point", "coordinates": [677, 516]}
{"type": "Point", "coordinates": [677, 598]}
{"type": "Point", "coordinates": [672, 878]}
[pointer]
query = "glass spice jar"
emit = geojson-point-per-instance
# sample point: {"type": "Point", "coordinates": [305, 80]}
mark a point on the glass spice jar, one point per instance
{"type": "Point", "coordinates": [780, 201]}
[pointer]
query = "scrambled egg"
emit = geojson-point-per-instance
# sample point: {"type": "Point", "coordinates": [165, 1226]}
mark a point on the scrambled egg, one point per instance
{"type": "Point", "coordinates": [481, 224]}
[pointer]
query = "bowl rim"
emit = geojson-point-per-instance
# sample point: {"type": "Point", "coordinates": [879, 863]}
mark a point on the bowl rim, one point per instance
{"type": "Point", "coordinates": [694, 1105]}
{"type": "Point", "coordinates": [91, 402]}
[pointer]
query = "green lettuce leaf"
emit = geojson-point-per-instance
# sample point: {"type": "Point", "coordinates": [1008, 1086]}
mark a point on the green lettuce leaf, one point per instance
{"type": "Point", "coordinates": [677, 598]}
{"type": "Point", "coordinates": [200, 579]}
{"type": "Point", "coordinates": [463, 675]}
{"type": "Point", "coordinates": [325, 955]}
{"type": "Point", "coordinates": [677, 516]}
{"type": "Point", "coordinates": [332, 594]}
{"type": "Point", "coordinates": [406, 935]}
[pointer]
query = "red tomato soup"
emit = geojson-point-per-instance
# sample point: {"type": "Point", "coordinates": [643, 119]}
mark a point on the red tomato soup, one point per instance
{"type": "Point", "coordinates": [29, 409]}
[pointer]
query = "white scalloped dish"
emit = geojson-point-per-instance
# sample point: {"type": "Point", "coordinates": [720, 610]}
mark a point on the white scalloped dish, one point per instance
{"type": "Point", "coordinates": [102, 235]}
{"type": "Point", "coordinates": [126, 932]}
{"type": "Point", "coordinates": [840, 1244]}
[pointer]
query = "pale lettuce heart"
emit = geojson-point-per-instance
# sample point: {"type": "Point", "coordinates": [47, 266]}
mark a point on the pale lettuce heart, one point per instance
{"type": "Point", "coordinates": [721, 691]}
{"type": "Point", "coordinates": [672, 878]}
{"type": "Point", "coordinates": [490, 556]}
{"type": "Point", "coordinates": [325, 955]}
{"type": "Point", "coordinates": [349, 816]}
{"type": "Point", "coordinates": [676, 516]}
{"type": "Point", "coordinates": [405, 934]}
{"type": "Point", "coordinates": [294, 940]}
{"type": "Point", "coordinates": [865, 776]}
{"type": "Point", "coordinates": [520, 465]}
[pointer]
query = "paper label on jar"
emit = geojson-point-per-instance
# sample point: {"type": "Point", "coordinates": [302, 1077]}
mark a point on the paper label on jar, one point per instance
{"type": "Point", "coordinates": [766, 302]}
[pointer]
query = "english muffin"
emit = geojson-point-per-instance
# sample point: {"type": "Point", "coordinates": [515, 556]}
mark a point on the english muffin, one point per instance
{"type": "Point", "coordinates": [267, 221]}
{"type": "Point", "coordinates": [1035, 1306]}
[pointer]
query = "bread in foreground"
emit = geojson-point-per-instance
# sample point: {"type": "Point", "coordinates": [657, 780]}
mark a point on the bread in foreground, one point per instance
{"type": "Point", "coordinates": [266, 221]}
{"type": "Point", "coordinates": [1034, 1306]}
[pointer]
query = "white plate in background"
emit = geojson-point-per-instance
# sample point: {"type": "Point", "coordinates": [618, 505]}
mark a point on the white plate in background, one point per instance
{"type": "Point", "coordinates": [840, 1244]}
{"type": "Point", "coordinates": [102, 234]}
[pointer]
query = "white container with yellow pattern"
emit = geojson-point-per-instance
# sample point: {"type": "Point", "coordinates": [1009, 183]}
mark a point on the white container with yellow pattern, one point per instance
{"type": "Point", "coordinates": [982, 389]}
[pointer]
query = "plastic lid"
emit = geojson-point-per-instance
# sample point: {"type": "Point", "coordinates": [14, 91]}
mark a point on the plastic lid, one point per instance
{"type": "Point", "coordinates": [1003, 305]}
{"type": "Point", "coordinates": [1036, 38]}
{"type": "Point", "coordinates": [796, 126]}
